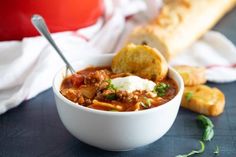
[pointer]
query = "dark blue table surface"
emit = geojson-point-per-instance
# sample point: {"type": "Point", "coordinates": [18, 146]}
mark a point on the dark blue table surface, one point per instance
{"type": "Point", "coordinates": [34, 128]}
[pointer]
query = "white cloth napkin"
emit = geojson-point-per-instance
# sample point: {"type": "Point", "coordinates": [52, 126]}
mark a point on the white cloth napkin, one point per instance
{"type": "Point", "coordinates": [215, 52]}
{"type": "Point", "coordinates": [28, 66]}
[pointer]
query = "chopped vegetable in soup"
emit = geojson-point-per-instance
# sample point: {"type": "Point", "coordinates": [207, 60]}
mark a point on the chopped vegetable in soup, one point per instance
{"type": "Point", "coordinates": [100, 88]}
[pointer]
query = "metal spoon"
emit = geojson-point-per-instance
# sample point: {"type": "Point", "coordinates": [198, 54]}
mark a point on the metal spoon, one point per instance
{"type": "Point", "coordinates": [42, 28]}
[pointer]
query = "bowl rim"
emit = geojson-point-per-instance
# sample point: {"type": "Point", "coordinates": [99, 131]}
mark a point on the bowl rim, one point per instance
{"type": "Point", "coordinates": [126, 113]}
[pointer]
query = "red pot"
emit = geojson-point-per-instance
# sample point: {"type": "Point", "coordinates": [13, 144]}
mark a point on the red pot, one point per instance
{"type": "Point", "coordinates": [60, 15]}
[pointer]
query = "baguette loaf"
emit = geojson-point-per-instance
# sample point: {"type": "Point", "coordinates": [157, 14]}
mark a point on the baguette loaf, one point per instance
{"type": "Point", "coordinates": [180, 23]}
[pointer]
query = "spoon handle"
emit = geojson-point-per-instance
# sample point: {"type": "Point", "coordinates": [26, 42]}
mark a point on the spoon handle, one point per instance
{"type": "Point", "coordinates": [42, 28]}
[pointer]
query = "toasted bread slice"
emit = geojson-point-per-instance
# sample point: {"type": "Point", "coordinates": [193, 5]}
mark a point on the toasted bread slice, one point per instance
{"type": "Point", "coordinates": [192, 75]}
{"type": "Point", "coordinates": [204, 100]}
{"type": "Point", "coordinates": [142, 61]}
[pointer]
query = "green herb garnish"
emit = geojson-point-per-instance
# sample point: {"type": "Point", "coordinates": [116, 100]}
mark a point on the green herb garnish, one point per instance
{"type": "Point", "coordinates": [161, 89]}
{"type": "Point", "coordinates": [208, 134]}
{"type": "Point", "coordinates": [143, 104]}
{"type": "Point", "coordinates": [194, 151]}
{"type": "Point", "coordinates": [208, 126]}
{"type": "Point", "coordinates": [147, 103]}
{"type": "Point", "coordinates": [217, 151]}
{"type": "Point", "coordinates": [111, 96]}
{"type": "Point", "coordinates": [188, 96]}
{"type": "Point", "coordinates": [110, 85]}
{"type": "Point", "coordinates": [205, 121]}
{"type": "Point", "coordinates": [113, 110]}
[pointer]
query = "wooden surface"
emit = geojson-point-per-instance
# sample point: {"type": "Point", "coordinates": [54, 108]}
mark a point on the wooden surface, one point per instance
{"type": "Point", "coordinates": [34, 128]}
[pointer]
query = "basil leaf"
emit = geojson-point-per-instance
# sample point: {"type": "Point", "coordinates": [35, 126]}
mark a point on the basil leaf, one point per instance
{"type": "Point", "coordinates": [204, 121]}
{"type": "Point", "coordinates": [217, 151]}
{"type": "Point", "coordinates": [208, 134]}
{"type": "Point", "coordinates": [208, 126]}
{"type": "Point", "coordinates": [201, 150]}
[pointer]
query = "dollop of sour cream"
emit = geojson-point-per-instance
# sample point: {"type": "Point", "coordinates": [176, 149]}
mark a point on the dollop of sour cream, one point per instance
{"type": "Point", "coordinates": [132, 83]}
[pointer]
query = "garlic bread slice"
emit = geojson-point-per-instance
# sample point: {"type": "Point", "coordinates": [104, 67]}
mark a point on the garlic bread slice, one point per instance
{"type": "Point", "coordinates": [203, 99]}
{"type": "Point", "coordinates": [140, 60]}
{"type": "Point", "coordinates": [192, 75]}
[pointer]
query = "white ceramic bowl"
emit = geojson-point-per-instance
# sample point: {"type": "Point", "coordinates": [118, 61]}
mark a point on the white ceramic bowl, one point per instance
{"type": "Point", "coordinates": [116, 131]}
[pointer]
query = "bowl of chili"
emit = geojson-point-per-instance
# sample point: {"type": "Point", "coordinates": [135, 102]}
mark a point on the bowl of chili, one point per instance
{"type": "Point", "coordinates": [102, 117]}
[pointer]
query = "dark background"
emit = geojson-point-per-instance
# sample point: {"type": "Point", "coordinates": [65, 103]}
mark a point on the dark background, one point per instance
{"type": "Point", "coordinates": [34, 128]}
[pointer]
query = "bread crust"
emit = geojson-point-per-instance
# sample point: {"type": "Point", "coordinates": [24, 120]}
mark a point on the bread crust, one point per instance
{"type": "Point", "coordinates": [142, 61]}
{"type": "Point", "coordinates": [204, 100]}
{"type": "Point", "coordinates": [192, 75]}
{"type": "Point", "coordinates": [180, 23]}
